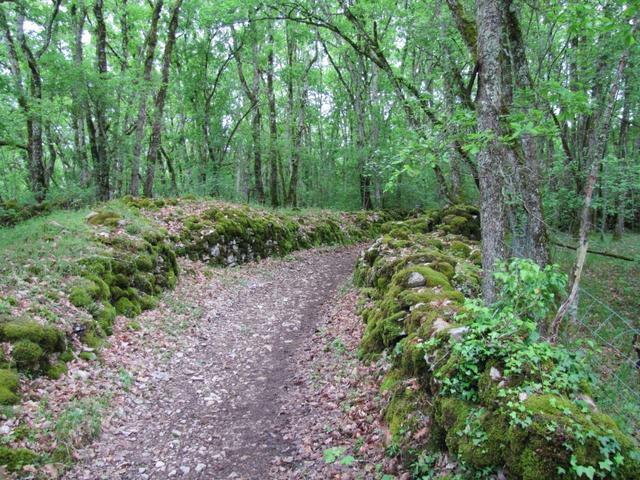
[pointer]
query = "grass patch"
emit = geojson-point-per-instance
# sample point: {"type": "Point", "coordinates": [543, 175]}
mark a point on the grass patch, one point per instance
{"type": "Point", "coordinates": [47, 247]}
{"type": "Point", "coordinates": [80, 422]}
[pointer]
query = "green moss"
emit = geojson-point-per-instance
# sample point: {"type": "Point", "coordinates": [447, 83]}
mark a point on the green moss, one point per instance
{"type": "Point", "coordinates": [98, 288]}
{"type": "Point", "coordinates": [27, 355]}
{"type": "Point", "coordinates": [431, 277]}
{"type": "Point", "coordinates": [411, 360]}
{"type": "Point", "coordinates": [57, 370]}
{"type": "Point", "coordinates": [483, 443]}
{"type": "Point", "coordinates": [66, 356]}
{"type": "Point", "coordinates": [7, 397]}
{"type": "Point", "coordinates": [93, 335]}
{"type": "Point", "coordinates": [450, 416]}
{"type": "Point", "coordinates": [134, 326]}
{"type": "Point", "coordinates": [128, 308]}
{"type": "Point", "coordinates": [460, 249]}
{"type": "Point", "coordinates": [445, 268]}
{"type": "Point", "coordinates": [49, 338]}
{"type": "Point", "coordinates": [144, 282]}
{"type": "Point", "coordinates": [148, 302]}
{"type": "Point", "coordinates": [88, 356]}
{"type": "Point", "coordinates": [404, 413]}
{"type": "Point", "coordinates": [145, 263]}
{"type": "Point", "coordinates": [172, 280]}
{"type": "Point", "coordinates": [487, 387]}
{"type": "Point", "coordinates": [104, 217]}
{"type": "Point", "coordinates": [105, 318]}
{"type": "Point", "coordinates": [391, 380]}
{"type": "Point", "coordinates": [555, 423]}
{"type": "Point", "coordinates": [16, 458]}
{"type": "Point", "coordinates": [9, 379]}
{"type": "Point", "coordinates": [80, 297]}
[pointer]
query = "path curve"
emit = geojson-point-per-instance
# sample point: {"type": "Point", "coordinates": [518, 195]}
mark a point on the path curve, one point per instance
{"type": "Point", "coordinates": [215, 410]}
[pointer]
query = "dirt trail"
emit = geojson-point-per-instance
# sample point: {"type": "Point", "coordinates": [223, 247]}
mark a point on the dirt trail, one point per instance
{"type": "Point", "coordinates": [215, 410]}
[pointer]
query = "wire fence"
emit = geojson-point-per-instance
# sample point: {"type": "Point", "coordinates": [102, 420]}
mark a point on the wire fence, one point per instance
{"type": "Point", "coordinates": [610, 343]}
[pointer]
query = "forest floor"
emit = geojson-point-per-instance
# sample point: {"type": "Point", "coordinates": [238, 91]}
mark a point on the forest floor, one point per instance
{"type": "Point", "coordinates": [230, 377]}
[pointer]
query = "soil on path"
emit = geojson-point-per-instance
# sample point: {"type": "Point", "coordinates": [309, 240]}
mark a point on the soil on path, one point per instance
{"type": "Point", "coordinates": [213, 408]}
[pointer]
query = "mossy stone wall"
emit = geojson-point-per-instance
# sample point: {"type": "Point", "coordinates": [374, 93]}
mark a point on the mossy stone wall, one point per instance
{"type": "Point", "coordinates": [414, 280]}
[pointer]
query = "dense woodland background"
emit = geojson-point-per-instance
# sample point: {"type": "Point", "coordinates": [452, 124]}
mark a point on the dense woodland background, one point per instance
{"type": "Point", "coordinates": [318, 103]}
{"type": "Point", "coordinates": [527, 108]}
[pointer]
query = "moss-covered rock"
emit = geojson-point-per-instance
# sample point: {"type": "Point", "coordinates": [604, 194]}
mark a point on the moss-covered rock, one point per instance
{"type": "Point", "coordinates": [9, 379]}
{"type": "Point", "coordinates": [7, 397]}
{"type": "Point", "coordinates": [27, 355]}
{"type": "Point", "coordinates": [16, 458]}
{"type": "Point", "coordinates": [128, 308]}
{"type": "Point", "coordinates": [8, 387]}
{"type": "Point", "coordinates": [56, 371]}
{"type": "Point", "coordinates": [80, 297]}
{"type": "Point", "coordinates": [105, 218]}
{"type": "Point", "coordinates": [105, 317]}
{"type": "Point", "coordinates": [126, 282]}
{"type": "Point", "coordinates": [49, 338]}
{"type": "Point", "coordinates": [557, 433]}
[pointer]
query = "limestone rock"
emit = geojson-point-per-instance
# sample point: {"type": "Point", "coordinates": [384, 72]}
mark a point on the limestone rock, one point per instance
{"type": "Point", "coordinates": [415, 280]}
{"type": "Point", "coordinates": [458, 333]}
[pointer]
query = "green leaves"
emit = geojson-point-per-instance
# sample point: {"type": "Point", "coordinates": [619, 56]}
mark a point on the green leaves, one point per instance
{"type": "Point", "coordinates": [336, 454]}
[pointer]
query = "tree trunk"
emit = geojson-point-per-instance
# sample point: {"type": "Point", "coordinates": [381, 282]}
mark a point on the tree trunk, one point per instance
{"type": "Point", "coordinates": [253, 93]}
{"type": "Point", "coordinates": [273, 129]}
{"type": "Point", "coordinates": [102, 166]}
{"type": "Point", "coordinates": [623, 156]}
{"type": "Point", "coordinates": [535, 233]}
{"type": "Point", "coordinates": [156, 128]}
{"type": "Point", "coordinates": [292, 196]}
{"type": "Point", "coordinates": [141, 120]}
{"type": "Point", "coordinates": [79, 15]}
{"type": "Point", "coordinates": [35, 151]}
{"type": "Point", "coordinates": [493, 157]}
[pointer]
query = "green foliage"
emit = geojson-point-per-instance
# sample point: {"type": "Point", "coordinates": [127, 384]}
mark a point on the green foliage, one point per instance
{"type": "Point", "coordinates": [336, 454]}
{"type": "Point", "coordinates": [528, 291]}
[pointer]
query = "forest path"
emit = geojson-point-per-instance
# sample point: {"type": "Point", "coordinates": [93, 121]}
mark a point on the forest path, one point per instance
{"type": "Point", "coordinates": [214, 407]}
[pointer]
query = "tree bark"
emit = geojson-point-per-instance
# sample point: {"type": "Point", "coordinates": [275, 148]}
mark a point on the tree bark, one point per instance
{"type": "Point", "coordinates": [156, 128]}
{"type": "Point", "coordinates": [141, 120]}
{"type": "Point", "coordinates": [102, 166]}
{"type": "Point", "coordinates": [273, 129]}
{"type": "Point", "coordinates": [34, 122]}
{"type": "Point", "coordinates": [493, 157]}
{"type": "Point", "coordinates": [535, 232]}
{"type": "Point", "coordinates": [253, 93]}
{"type": "Point", "coordinates": [79, 15]}
{"type": "Point", "coordinates": [292, 195]}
